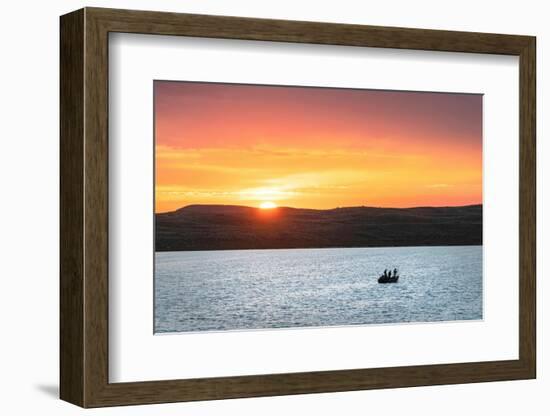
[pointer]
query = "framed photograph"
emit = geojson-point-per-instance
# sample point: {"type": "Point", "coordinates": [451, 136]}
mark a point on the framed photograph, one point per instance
{"type": "Point", "coordinates": [254, 207]}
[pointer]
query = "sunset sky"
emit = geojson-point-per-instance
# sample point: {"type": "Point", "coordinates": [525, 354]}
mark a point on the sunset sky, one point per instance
{"type": "Point", "coordinates": [315, 147]}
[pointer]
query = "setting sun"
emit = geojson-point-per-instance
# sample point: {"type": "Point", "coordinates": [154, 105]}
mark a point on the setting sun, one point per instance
{"type": "Point", "coordinates": [268, 205]}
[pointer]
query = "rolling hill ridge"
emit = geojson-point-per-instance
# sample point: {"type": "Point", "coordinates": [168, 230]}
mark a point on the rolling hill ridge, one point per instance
{"type": "Point", "coordinates": [229, 227]}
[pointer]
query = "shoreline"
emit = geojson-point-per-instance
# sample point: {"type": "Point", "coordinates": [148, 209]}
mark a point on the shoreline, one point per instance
{"type": "Point", "coordinates": [320, 248]}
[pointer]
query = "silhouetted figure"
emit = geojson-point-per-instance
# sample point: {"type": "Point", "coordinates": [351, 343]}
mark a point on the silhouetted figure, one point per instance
{"type": "Point", "coordinates": [387, 276]}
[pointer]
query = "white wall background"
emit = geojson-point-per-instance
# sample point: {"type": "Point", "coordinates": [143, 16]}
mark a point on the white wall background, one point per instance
{"type": "Point", "coordinates": [29, 83]}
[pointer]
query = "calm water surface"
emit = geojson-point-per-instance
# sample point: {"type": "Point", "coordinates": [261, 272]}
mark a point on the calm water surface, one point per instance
{"type": "Point", "coordinates": [255, 289]}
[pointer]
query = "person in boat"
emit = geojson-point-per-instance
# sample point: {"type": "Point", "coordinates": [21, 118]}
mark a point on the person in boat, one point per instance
{"type": "Point", "coordinates": [395, 272]}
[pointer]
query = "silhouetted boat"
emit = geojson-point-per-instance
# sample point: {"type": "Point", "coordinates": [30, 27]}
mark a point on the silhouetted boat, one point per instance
{"type": "Point", "coordinates": [388, 279]}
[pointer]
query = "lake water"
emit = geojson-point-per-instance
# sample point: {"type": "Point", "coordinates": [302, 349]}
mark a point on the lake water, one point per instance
{"type": "Point", "coordinates": [258, 289]}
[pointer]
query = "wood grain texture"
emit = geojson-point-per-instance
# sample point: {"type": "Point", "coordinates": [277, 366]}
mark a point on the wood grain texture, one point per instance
{"type": "Point", "coordinates": [527, 208]}
{"type": "Point", "coordinates": [84, 207]}
{"type": "Point", "coordinates": [71, 186]}
{"type": "Point", "coordinates": [162, 23]}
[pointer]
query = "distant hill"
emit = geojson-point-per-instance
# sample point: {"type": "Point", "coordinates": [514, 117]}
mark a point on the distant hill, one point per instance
{"type": "Point", "coordinates": [225, 227]}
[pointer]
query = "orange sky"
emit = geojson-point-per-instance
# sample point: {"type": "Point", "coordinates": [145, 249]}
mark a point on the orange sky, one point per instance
{"type": "Point", "coordinates": [315, 147]}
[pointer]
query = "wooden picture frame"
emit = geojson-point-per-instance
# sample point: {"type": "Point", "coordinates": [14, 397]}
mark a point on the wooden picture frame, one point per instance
{"type": "Point", "coordinates": [84, 207]}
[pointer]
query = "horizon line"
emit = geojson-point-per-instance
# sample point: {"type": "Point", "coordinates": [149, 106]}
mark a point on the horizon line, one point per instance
{"type": "Point", "coordinates": [320, 209]}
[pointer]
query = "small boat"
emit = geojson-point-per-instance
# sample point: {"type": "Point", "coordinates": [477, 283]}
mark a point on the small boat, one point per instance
{"type": "Point", "coordinates": [388, 279]}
